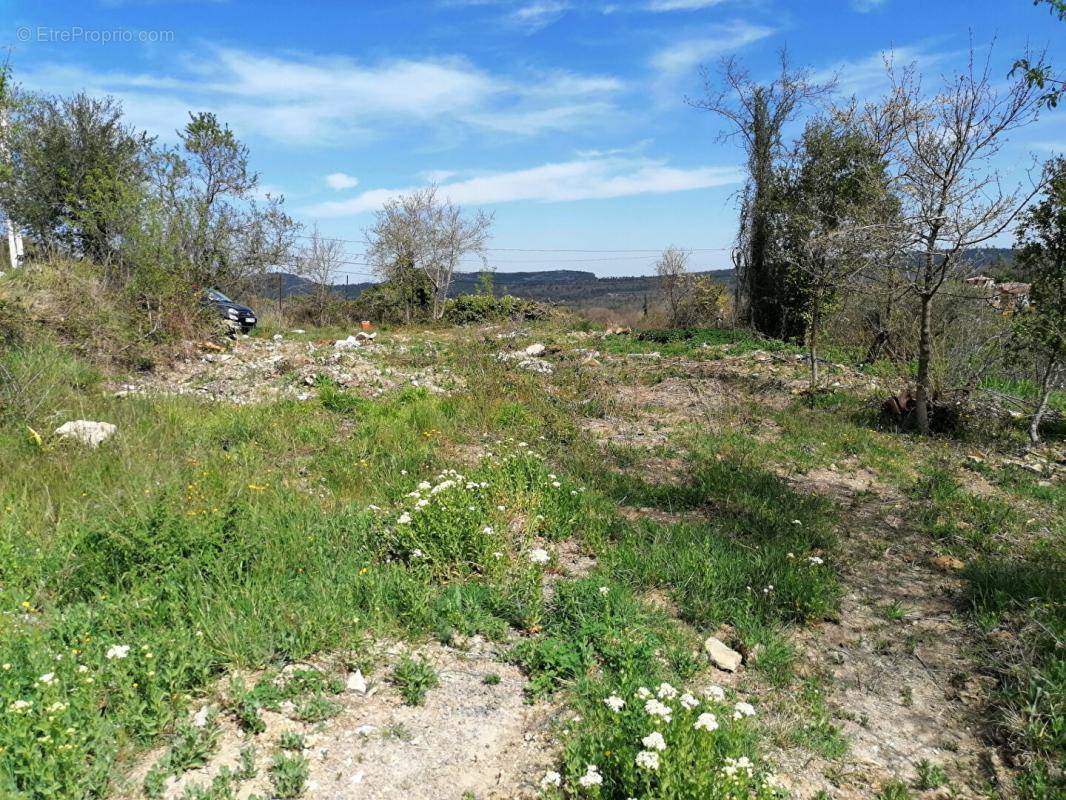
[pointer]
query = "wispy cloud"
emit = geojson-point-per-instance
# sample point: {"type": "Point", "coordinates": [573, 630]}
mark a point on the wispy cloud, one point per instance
{"type": "Point", "coordinates": [680, 5]}
{"type": "Point", "coordinates": [538, 15]}
{"type": "Point", "coordinates": [683, 56]}
{"type": "Point", "coordinates": [300, 99]}
{"type": "Point", "coordinates": [866, 76]}
{"type": "Point", "coordinates": [580, 179]}
{"type": "Point", "coordinates": [341, 181]}
{"type": "Point", "coordinates": [865, 6]}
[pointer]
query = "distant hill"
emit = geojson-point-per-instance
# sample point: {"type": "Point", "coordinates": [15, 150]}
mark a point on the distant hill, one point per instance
{"type": "Point", "coordinates": [579, 289]}
{"type": "Point", "coordinates": [568, 287]}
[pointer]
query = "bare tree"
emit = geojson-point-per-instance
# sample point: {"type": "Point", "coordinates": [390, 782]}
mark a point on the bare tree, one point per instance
{"type": "Point", "coordinates": [674, 279]}
{"type": "Point", "coordinates": [429, 235]}
{"type": "Point", "coordinates": [757, 113]}
{"type": "Point", "coordinates": [952, 196]}
{"type": "Point", "coordinates": [319, 263]}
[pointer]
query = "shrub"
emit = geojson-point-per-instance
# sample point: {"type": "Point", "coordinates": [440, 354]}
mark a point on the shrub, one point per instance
{"type": "Point", "coordinates": [413, 678]}
{"type": "Point", "coordinates": [473, 309]}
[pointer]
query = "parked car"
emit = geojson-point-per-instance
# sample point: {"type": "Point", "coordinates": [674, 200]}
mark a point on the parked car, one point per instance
{"type": "Point", "coordinates": [235, 314]}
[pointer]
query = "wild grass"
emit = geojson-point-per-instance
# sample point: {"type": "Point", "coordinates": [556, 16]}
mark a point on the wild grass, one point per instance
{"type": "Point", "coordinates": [204, 537]}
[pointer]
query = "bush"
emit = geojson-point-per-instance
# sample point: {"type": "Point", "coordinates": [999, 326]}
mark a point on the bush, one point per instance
{"type": "Point", "coordinates": [472, 309]}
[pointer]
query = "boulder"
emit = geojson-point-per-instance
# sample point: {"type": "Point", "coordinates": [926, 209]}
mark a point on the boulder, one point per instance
{"type": "Point", "coordinates": [535, 350]}
{"type": "Point", "coordinates": [357, 683]}
{"type": "Point", "coordinates": [86, 431]}
{"type": "Point", "coordinates": [721, 655]}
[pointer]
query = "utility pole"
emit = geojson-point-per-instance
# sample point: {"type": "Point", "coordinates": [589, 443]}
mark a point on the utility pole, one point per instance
{"type": "Point", "coordinates": [14, 238]}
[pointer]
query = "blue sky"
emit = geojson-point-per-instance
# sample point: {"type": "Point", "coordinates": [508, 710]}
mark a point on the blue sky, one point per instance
{"type": "Point", "coordinates": [565, 118]}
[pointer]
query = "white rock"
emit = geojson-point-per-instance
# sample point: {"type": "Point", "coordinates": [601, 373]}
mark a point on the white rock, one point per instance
{"type": "Point", "coordinates": [86, 431]}
{"type": "Point", "coordinates": [356, 682]}
{"type": "Point", "coordinates": [721, 655]}
{"type": "Point", "coordinates": [536, 365]}
{"type": "Point", "coordinates": [199, 719]}
{"type": "Point", "coordinates": [535, 349]}
{"type": "Point", "coordinates": [350, 343]}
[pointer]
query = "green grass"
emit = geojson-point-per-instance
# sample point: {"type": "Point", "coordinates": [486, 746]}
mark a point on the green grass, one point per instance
{"type": "Point", "coordinates": [693, 342]}
{"type": "Point", "coordinates": [205, 538]}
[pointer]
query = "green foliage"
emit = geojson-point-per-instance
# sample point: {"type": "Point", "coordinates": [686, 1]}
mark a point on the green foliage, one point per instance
{"type": "Point", "coordinates": [655, 740]}
{"type": "Point", "coordinates": [1039, 331]}
{"type": "Point", "coordinates": [290, 740]}
{"type": "Point", "coordinates": [930, 775]}
{"type": "Point", "coordinates": [288, 775]}
{"type": "Point", "coordinates": [476, 309]}
{"type": "Point", "coordinates": [413, 678]}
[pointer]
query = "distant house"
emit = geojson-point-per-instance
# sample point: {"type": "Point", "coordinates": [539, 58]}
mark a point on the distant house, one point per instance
{"type": "Point", "coordinates": [1012, 296]}
{"type": "Point", "coordinates": [981, 281]}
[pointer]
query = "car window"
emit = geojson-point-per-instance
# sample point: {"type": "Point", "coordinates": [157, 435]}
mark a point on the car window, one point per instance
{"type": "Point", "coordinates": [218, 297]}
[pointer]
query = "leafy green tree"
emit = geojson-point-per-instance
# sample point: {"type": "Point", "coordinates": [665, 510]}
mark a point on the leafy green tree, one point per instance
{"type": "Point", "coordinates": [756, 113]}
{"type": "Point", "coordinates": [77, 172]}
{"type": "Point", "coordinates": [224, 233]}
{"type": "Point", "coordinates": [837, 216]}
{"type": "Point", "coordinates": [1039, 332]}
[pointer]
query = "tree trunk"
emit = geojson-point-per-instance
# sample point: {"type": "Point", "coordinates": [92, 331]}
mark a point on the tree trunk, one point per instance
{"type": "Point", "coordinates": [812, 349]}
{"type": "Point", "coordinates": [925, 359]}
{"type": "Point", "coordinates": [1041, 409]}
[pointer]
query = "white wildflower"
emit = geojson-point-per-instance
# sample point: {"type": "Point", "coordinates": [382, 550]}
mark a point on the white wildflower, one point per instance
{"type": "Point", "coordinates": [643, 692]}
{"type": "Point", "coordinates": [648, 759]}
{"type": "Point", "coordinates": [425, 486]}
{"type": "Point", "coordinates": [656, 709]}
{"type": "Point", "coordinates": [615, 703]}
{"type": "Point", "coordinates": [654, 741]}
{"type": "Point", "coordinates": [405, 519]}
{"type": "Point", "coordinates": [666, 690]}
{"type": "Point", "coordinates": [604, 590]}
{"type": "Point", "coordinates": [742, 709]}
{"type": "Point", "coordinates": [591, 777]}
{"type": "Point", "coordinates": [19, 706]}
{"type": "Point", "coordinates": [688, 701]}
{"type": "Point", "coordinates": [706, 722]}
{"type": "Point", "coordinates": [551, 779]}
{"type": "Point", "coordinates": [539, 555]}
{"type": "Point", "coordinates": [556, 484]}
{"type": "Point", "coordinates": [815, 560]}
{"type": "Point", "coordinates": [117, 651]}
{"type": "Point", "coordinates": [714, 692]}
{"type": "Point", "coordinates": [488, 530]}
{"type": "Point", "coordinates": [47, 678]}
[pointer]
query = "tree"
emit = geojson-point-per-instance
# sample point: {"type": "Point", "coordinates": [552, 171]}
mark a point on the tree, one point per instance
{"type": "Point", "coordinates": [838, 215]}
{"type": "Point", "coordinates": [77, 173]}
{"type": "Point", "coordinates": [1038, 74]}
{"type": "Point", "coordinates": [757, 113]}
{"type": "Point", "coordinates": [422, 233]}
{"type": "Point", "coordinates": [674, 279]}
{"type": "Point", "coordinates": [1039, 333]}
{"type": "Point", "coordinates": [226, 235]}
{"type": "Point", "coordinates": [952, 197]}
{"type": "Point", "coordinates": [319, 263]}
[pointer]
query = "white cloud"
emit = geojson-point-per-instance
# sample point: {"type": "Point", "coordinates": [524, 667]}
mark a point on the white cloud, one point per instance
{"type": "Point", "coordinates": [301, 99]}
{"type": "Point", "coordinates": [864, 6]}
{"type": "Point", "coordinates": [680, 5]}
{"type": "Point", "coordinates": [537, 15]}
{"type": "Point", "coordinates": [868, 76]}
{"type": "Point", "coordinates": [681, 57]}
{"type": "Point", "coordinates": [340, 181]}
{"type": "Point", "coordinates": [580, 179]}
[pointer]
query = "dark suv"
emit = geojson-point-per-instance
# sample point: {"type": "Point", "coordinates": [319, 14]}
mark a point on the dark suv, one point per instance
{"type": "Point", "coordinates": [235, 314]}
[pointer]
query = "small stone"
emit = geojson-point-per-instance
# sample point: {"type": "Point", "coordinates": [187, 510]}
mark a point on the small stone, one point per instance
{"type": "Point", "coordinates": [356, 682]}
{"type": "Point", "coordinates": [721, 655]}
{"type": "Point", "coordinates": [946, 563]}
{"type": "Point", "coordinates": [86, 431]}
{"type": "Point", "coordinates": [535, 349]}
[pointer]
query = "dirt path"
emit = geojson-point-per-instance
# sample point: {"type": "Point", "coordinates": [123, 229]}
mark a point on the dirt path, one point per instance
{"type": "Point", "coordinates": [903, 686]}
{"type": "Point", "coordinates": [474, 736]}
